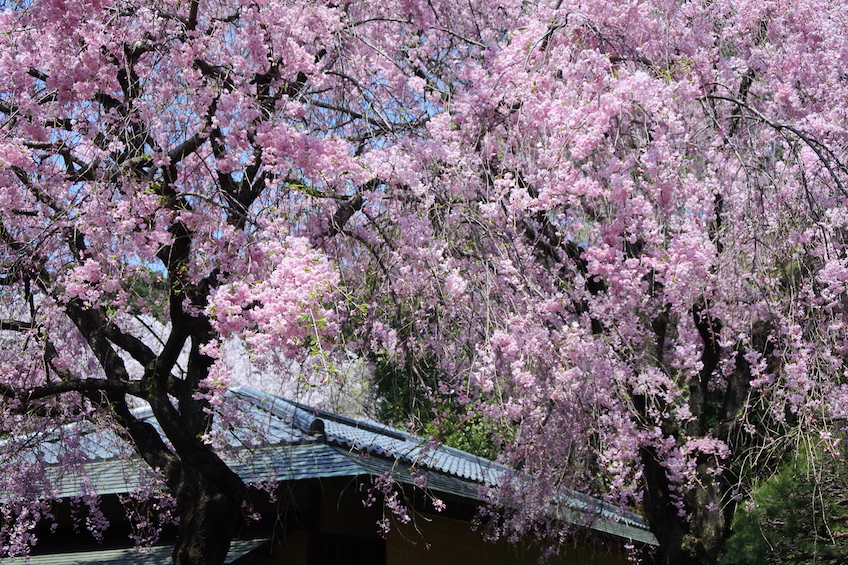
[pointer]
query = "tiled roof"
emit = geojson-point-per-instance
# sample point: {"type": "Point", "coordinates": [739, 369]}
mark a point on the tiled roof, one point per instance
{"type": "Point", "coordinates": [288, 446]}
{"type": "Point", "coordinates": [365, 437]}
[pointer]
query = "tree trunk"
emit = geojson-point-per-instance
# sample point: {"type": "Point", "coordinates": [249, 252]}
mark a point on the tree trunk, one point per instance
{"type": "Point", "coordinates": [712, 513]}
{"type": "Point", "coordinates": [660, 512]}
{"type": "Point", "coordinates": [700, 540]}
{"type": "Point", "coordinates": [209, 519]}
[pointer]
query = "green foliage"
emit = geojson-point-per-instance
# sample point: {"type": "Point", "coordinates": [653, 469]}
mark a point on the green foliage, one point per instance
{"type": "Point", "coordinates": [148, 294]}
{"type": "Point", "coordinates": [404, 390]}
{"type": "Point", "coordinates": [801, 515]}
{"type": "Point", "coordinates": [467, 431]}
{"type": "Point", "coordinates": [408, 398]}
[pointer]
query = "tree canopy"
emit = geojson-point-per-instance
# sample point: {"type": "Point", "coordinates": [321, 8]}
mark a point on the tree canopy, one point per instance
{"type": "Point", "coordinates": [614, 229]}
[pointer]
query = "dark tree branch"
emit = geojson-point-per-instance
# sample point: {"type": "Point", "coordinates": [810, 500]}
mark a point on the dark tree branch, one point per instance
{"type": "Point", "coordinates": [137, 349]}
{"type": "Point", "coordinates": [13, 111]}
{"type": "Point", "coordinates": [220, 74]}
{"type": "Point", "coordinates": [347, 209]}
{"type": "Point", "coordinates": [40, 75]}
{"type": "Point", "coordinates": [382, 125]}
{"type": "Point", "coordinates": [744, 88]}
{"type": "Point", "coordinates": [63, 387]}
{"type": "Point", "coordinates": [15, 325]}
{"type": "Point", "coordinates": [144, 438]}
{"type": "Point", "coordinates": [157, 373]}
{"type": "Point", "coordinates": [186, 148]}
{"type": "Point", "coordinates": [191, 23]}
{"type": "Point", "coordinates": [92, 326]}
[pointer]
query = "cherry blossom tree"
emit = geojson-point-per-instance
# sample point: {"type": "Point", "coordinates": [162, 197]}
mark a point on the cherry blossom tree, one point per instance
{"type": "Point", "coordinates": [614, 229]}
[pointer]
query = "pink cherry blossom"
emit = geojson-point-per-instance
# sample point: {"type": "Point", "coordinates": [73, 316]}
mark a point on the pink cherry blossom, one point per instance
{"type": "Point", "coordinates": [614, 230]}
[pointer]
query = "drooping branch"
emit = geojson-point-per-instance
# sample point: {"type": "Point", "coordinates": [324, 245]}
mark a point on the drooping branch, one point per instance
{"type": "Point", "coordinates": [383, 125]}
{"type": "Point", "coordinates": [825, 154]}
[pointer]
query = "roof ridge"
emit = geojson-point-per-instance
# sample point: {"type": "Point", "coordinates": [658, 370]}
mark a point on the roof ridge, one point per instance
{"type": "Point", "coordinates": [367, 425]}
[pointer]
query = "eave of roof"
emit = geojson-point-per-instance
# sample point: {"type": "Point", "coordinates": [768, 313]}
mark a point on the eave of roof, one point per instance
{"type": "Point", "coordinates": [291, 451]}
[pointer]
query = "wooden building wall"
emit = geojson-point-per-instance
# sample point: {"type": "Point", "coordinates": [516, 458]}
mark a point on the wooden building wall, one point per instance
{"type": "Point", "coordinates": [329, 525]}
